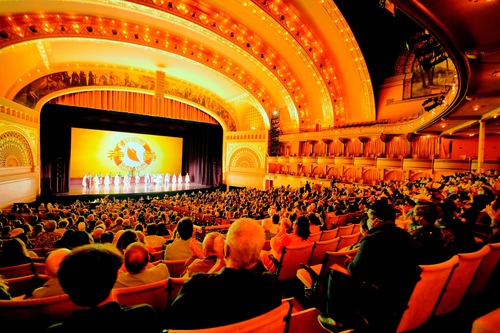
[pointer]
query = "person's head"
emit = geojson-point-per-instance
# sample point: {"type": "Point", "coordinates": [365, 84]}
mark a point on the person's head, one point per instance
{"type": "Point", "coordinates": [425, 212]}
{"type": "Point", "coordinates": [14, 248]}
{"type": "Point", "coordinates": [161, 229]}
{"type": "Point", "coordinates": [285, 223]}
{"type": "Point", "coordinates": [151, 229]}
{"type": "Point", "coordinates": [89, 273]}
{"type": "Point", "coordinates": [53, 261]}
{"type": "Point", "coordinates": [380, 212]}
{"type": "Point", "coordinates": [107, 237]}
{"type": "Point", "coordinates": [50, 225]}
{"type": "Point", "coordinates": [244, 241]}
{"type": "Point", "coordinates": [78, 238]}
{"type": "Point", "coordinates": [266, 224]}
{"type": "Point", "coordinates": [126, 238]}
{"type": "Point", "coordinates": [314, 219]}
{"type": "Point", "coordinates": [213, 244]}
{"type": "Point", "coordinates": [185, 228]}
{"type": "Point", "coordinates": [301, 227]}
{"type": "Point", "coordinates": [136, 257]}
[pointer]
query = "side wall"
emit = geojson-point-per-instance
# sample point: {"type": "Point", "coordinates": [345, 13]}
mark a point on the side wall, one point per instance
{"type": "Point", "coordinates": [19, 153]}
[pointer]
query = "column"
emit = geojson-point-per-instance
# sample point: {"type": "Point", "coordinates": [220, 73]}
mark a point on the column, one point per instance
{"type": "Point", "coordinates": [480, 145]}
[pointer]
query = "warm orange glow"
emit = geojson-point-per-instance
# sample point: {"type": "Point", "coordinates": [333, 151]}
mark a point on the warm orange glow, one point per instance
{"type": "Point", "coordinates": [94, 151]}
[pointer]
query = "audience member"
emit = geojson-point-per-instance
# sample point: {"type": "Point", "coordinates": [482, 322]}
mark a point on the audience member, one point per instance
{"type": "Point", "coordinates": [52, 286]}
{"type": "Point", "coordinates": [236, 293]}
{"type": "Point", "coordinates": [88, 275]}
{"type": "Point", "coordinates": [49, 237]}
{"type": "Point", "coordinates": [14, 252]}
{"type": "Point", "coordinates": [377, 283]}
{"type": "Point", "coordinates": [299, 236]}
{"type": "Point", "coordinates": [210, 260]}
{"type": "Point", "coordinates": [4, 290]}
{"type": "Point", "coordinates": [180, 247]}
{"type": "Point", "coordinates": [152, 238]}
{"type": "Point", "coordinates": [138, 269]}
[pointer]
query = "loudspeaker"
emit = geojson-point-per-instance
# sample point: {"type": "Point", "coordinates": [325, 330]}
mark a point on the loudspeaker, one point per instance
{"type": "Point", "coordinates": [160, 84]}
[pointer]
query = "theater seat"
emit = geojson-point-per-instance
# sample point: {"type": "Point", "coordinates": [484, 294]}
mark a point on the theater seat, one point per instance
{"type": "Point", "coordinates": [275, 321]}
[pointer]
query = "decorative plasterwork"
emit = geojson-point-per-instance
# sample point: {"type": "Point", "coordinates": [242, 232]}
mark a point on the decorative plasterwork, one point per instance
{"type": "Point", "coordinates": [245, 155]}
{"type": "Point", "coordinates": [15, 148]}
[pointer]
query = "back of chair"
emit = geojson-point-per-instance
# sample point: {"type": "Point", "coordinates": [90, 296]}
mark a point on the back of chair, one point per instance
{"type": "Point", "coordinates": [275, 321]}
{"type": "Point", "coordinates": [291, 258]}
{"type": "Point", "coordinates": [34, 314]}
{"type": "Point", "coordinates": [154, 294]}
{"type": "Point", "coordinates": [426, 294]}
{"type": "Point", "coordinates": [175, 267]}
{"type": "Point", "coordinates": [342, 220]}
{"type": "Point", "coordinates": [345, 230]}
{"type": "Point", "coordinates": [174, 286]}
{"type": "Point", "coordinates": [484, 272]}
{"type": "Point", "coordinates": [348, 240]}
{"type": "Point", "coordinates": [356, 227]}
{"type": "Point", "coordinates": [9, 272]}
{"type": "Point", "coordinates": [315, 236]}
{"type": "Point", "coordinates": [24, 285]}
{"type": "Point", "coordinates": [468, 264]}
{"type": "Point", "coordinates": [329, 234]}
{"type": "Point", "coordinates": [331, 220]}
{"type": "Point", "coordinates": [320, 248]}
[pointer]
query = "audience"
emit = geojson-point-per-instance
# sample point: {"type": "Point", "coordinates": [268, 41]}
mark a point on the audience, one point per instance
{"type": "Point", "coordinates": [49, 237]}
{"type": "Point", "coordinates": [238, 292]}
{"type": "Point", "coordinates": [14, 252]}
{"type": "Point", "coordinates": [4, 290]}
{"type": "Point", "coordinates": [138, 269]}
{"type": "Point", "coordinates": [88, 275]}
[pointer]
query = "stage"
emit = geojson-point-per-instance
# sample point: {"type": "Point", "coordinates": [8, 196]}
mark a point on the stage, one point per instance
{"type": "Point", "coordinates": [78, 192]}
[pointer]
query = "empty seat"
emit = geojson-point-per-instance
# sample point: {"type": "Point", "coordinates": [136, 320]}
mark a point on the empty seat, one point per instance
{"type": "Point", "coordinates": [345, 230]}
{"type": "Point", "coordinates": [484, 272]}
{"type": "Point", "coordinates": [291, 258]}
{"type": "Point", "coordinates": [329, 234]}
{"type": "Point", "coordinates": [320, 248]}
{"type": "Point", "coordinates": [427, 291]}
{"type": "Point", "coordinates": [348, 240]}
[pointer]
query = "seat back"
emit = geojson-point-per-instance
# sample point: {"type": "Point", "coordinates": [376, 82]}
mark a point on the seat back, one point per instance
{"type": "Point", "coordinates": [348, 240]}
{"type": "Point", "coordinates": [34, 314]}
{"type": "Point", "coordinates": [320, 248]}
{"type": "Point", "coordinates": [154, 294]}
{"type": "Point", "coordinates": [484, 272]}
{"type": "Point", "coordinates": [276, 321]}
{"type": "Point", "coordinates": [291, 258]}
{"type": "Point", "coordinates": [426, 294]}
{"type": "Point", "coordinates": [315, 236]}
{"type": "Point", "coordinates": [9, 272]}
{"type": "Point", "coordinates": [175, 267]}
{"type": "Point", "coordinates": [342, 220]}
{"type": "Point", "coordinates": [468, 264]}
{"type": "Point", "coordinates": [356, 227]}
{"type": "Point", "coordinates": [24, 285]}
{"type": "Point", "coordinates": [329, 234]}
{"type": "Point", "coordinates": [345, 230]}
{"type": "Point", "coordinates": [331, 220]}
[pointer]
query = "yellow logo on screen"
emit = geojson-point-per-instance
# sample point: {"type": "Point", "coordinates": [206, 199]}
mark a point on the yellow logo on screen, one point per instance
{"type": "Point", "coordinates": [132, 153]}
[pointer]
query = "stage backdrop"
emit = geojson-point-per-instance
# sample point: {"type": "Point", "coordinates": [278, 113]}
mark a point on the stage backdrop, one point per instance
{"type": "Point", "coordinates": [123, 153]}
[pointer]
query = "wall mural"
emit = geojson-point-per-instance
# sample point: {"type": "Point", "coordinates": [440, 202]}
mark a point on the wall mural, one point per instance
{"type": "Point", "coordinates": [36, 90]}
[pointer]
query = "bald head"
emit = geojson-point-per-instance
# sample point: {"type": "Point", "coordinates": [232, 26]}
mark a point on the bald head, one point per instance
{"type": "Point", "coordinates": [245, 239]}
{"type": "Point", "coordinates": [136, 257]}
{"type": "Point", "coordinates": [213, 245]}
{"type": "Point", "coordinates": [54, 260]}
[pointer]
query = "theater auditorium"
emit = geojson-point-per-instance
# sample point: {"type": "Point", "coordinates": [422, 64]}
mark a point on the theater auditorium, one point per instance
{"type": "Point", "coordinates": [220, 110]}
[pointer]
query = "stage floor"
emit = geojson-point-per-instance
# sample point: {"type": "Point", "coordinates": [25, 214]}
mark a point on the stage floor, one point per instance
{"type": "Point", "coordinates": [78, 189]}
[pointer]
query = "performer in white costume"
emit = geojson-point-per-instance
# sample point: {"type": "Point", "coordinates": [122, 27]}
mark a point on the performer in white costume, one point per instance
{"type": "Point", "coordinates": [174, 179]}
{"type": "Point", "coordinates": [96, 180]}
{"type": "Point", "coordinates": [84, 180]}
{"type": "Point", "coordinates": [117, 179]}
{"type": "Point", "coordinates": [137, 178]}
{"type": "Point", "coordinates": [180, 178]}
{"type": "Point", "coordinates": [186, 179]}
{"type": "Point", "coordinates": [107, 179]}
{"type": "Point", "coordinates": [147, 179]}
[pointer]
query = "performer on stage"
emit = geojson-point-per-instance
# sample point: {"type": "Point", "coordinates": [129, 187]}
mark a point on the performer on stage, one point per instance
{"type": "Point", "coordinates": [96, 180]}
{"type": "Point", "coordinates": [147, 179]}
{"type": "Point", "coordinates": [167, 178]}
{"type": "Point", "coordinates": [186, 179]}
{"type": "Point", "coordinates": [180, 178]}
{"type": "Point", "coordinates": [117, 180]}
{"type": "Point", "coordinates": [137, 178]}
{"type": "Point", "coordinates": [126, 180]}
{"type": "Point", "coordinates": [174, 179]}
{"type": "Point", "coordinates": [107, 179]}
{"type": "Point", "coordinates": [84, 180]}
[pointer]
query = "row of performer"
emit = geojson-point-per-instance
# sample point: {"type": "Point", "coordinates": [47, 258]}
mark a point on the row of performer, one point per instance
{"type": "Point", "coordinates": [96, 180]}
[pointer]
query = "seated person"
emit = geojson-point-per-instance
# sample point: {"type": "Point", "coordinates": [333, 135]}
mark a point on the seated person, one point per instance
{"type": "Point", "coordinates": [88, 275]}
{"type": "Point", "coordinates": [299, 236]}
{"type": "Point", "coordinates": [138, 272]}
{"type": "Point", "coordinates": [267, 225]}
{"type": "Point", "coordinates": [180, 246]}
{"type": "Point", "coordinates": [52, 287]}
{"type": "Point", "coordinates": [210, 260]}
{"type": "Point", "coordinates": [151, 237]}
{"type": "Point", "coordinates": [375, 287]}
{"type": "Point", "coordinates": [238, 292]}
